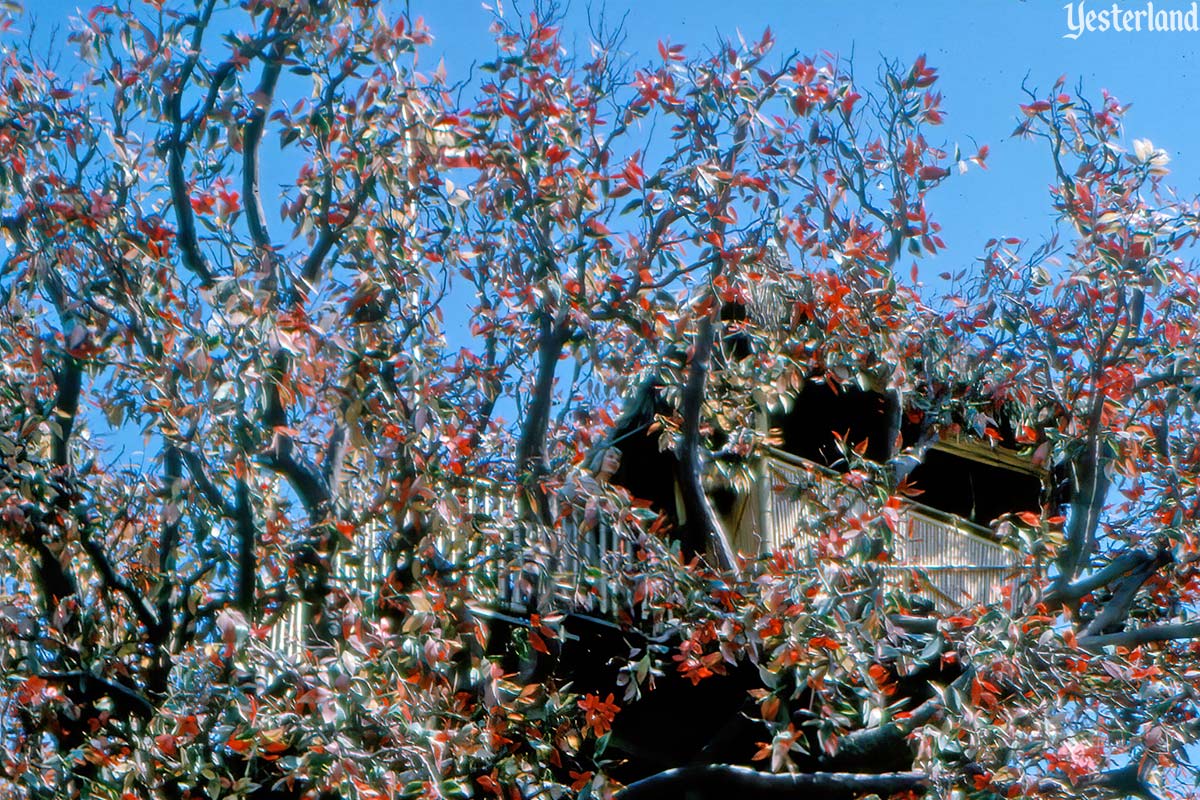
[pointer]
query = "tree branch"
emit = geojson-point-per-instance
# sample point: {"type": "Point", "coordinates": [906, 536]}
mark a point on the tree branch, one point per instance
{"type": "Point", "coordinates": [251, 139]}
{"type": "Point", "coordinates": [330, 235]}
{"type": "Point", "coordinates": [139, 705]}
{"type": "Point", "coordinates": [1133, 638]}
{"type": "Point", "coordinates": [1115, 569]}
{"type": "Point", "coordinates": [281, 456]}
{"type": "Point", "coordinates": [723, 780]}
{"type": "Point", "coordinates": [868, 744]}
{"type": "Point", "coordinates": [702, 525]}
{"type": "Point", "coordinates": [68, 379]}
{"type": "Point", "coordinates": [1112, 616]}
{"type": "Point", "coordinates": [335, 457]}
{"type": "Point", "coordinates": [53, 579]}
{"type": "Point", "coordinates": [531, 446]}
{"type": "Point", "coordinates": [66, 407]}
{"type": "Point", "coordinates": [185, 234]}
{"type": "Point", "coordinates": [247, 538]}
{"type": "Point", "coordinates": [1123, 782]}
{"type": "Point", "coordinates": [204, 483]}
{"type": "Point", "coordinates": [112, 580]}
{"type": "Point", "coordinates": [303, 476]}
{"type": "Point", "coordinates": [167, 563]}
{"type": "Point", "coordinates": [172, 475]}
{"type": "Point", "coordinates": [1091, 490]}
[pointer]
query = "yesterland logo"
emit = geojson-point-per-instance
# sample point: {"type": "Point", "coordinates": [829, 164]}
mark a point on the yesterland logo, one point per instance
{"type": "Point", "coordinates": [1120, 18]}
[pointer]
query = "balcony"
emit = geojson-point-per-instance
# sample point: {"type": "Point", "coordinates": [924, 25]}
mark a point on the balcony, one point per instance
{"type": "Point", "coordinates": [517, 569]}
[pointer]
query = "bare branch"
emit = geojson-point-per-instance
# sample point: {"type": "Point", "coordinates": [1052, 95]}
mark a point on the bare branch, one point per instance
{"type": "Point", "coordinates": [1133, 638]}
{"type": "Point", "coordinates": [140, 705]}
{"type": "Point", "coordinates": [724, 780]}
{"type": "Point", "coordinates": [204, 483]}
{"type": "Point", "coordinates": [247, 537]}
{"type": "Point", "coordinates": [113, 580]}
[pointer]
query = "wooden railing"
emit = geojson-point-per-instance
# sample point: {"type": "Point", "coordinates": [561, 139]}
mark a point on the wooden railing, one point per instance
{"type": "Point", "coordinates": [800, 498]}
{"type": "Point", "coordinates": [511, 566]}
{"type": "Point", "coordinates": [961, 561]}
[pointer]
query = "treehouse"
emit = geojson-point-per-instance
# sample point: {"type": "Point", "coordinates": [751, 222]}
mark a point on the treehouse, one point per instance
{"type": "Point", "coordinates": [946, 542]}
{"type": "Point", "coordinates": [945, 547]}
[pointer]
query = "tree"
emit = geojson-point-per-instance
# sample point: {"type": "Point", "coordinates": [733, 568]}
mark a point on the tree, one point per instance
{"type": "Point", "coordinates": [463, 298]}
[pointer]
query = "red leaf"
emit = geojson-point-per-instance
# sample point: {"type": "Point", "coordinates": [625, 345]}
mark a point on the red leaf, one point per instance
{"type": "Point", "coordinates": [238, 745]}
{"type": "Point", "coordinates": [166, 744]}
{"type": "Point", "coordinates": [597, 228]}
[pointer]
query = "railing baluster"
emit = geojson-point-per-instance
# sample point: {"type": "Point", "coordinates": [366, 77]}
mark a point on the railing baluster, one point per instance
{"type": "Point", "coordinates": [601, 549]}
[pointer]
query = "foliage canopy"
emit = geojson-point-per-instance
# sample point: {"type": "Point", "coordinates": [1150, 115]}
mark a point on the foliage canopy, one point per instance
{"type": "Point", "coordinates": [328, 297]}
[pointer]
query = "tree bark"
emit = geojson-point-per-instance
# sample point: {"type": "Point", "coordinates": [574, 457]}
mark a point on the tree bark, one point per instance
{"type": "Point", "coordinates": [66, 407]}
{"type": "Point", "coordinates": [531, 447]}
{"type": "Point", "coordinates": [702, 526]}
